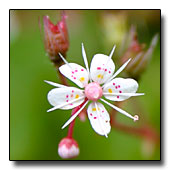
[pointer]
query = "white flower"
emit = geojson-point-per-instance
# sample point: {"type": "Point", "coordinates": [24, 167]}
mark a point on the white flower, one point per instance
{"type": "Point", "coordinates": [100, 73]}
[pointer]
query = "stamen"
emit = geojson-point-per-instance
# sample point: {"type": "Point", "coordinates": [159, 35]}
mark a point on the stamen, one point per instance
{"type": "Point", "coordinates": [119, 110]}
{"type": "Point", "coordinates": [74, 116]}
{"type": "Point", "coordinates": [124, 94]}
{"type": "Point", "coordinates": [85, 61]}
{"type": "Point", "coordinates": [65, 61]}
{"type": "Point", "coordinates": [64, 104]}
{"type": "Point", "coordinates": [117, 72]}
{"type": "Point", "coordinates": [55, 84]}
{"type": "Point", "coordinates": [136, 117]}
{"type": "Point", "coordinates": [111, 54]}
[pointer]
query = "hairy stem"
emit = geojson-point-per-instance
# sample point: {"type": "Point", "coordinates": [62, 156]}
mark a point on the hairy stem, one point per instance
{"type": "Point", "coordinates": [61, 77]}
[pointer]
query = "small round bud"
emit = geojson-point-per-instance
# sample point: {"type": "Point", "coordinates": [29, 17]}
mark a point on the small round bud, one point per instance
{"type": "Point", "coordinates": [68, 148]}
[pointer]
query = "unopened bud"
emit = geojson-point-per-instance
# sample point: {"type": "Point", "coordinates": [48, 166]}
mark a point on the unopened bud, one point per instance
{"type": "Point", "coordinates": [68, 148]}
{"type": "Point", "coordinates": [139, 57]}
{"type": "Point", "coordinates": [56, 38]}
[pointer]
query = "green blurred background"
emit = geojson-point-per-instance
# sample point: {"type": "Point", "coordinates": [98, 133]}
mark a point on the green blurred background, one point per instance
{"type": "Point", "coordinates": [34, 133]}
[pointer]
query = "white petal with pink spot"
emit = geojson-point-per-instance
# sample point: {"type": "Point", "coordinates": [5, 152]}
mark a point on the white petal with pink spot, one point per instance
{"type": "Point", "coordinates": [65, 95]}
{"type": "Point", "coordinates": [102, 68]}
{"type": "Point", "coordinates": [119, 86]}
{"type": "Point", "coordinates": [75, 73]}
{"type": "Point", "coordinates": [101, 121]}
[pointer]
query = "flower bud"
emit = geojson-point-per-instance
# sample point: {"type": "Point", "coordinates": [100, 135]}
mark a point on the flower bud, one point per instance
{"type": "Point", "coordinates": [56, 38]}
{"type": "Point", "coordinates": [68, 148]}
{"type": "Point", "coordinates": [140, 57]}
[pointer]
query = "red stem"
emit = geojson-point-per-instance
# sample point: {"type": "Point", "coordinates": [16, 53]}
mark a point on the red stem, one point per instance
{"type": "Point", "coordinates": [62, 79]}
{"type": "Point", "coordinates": [71, 126]}
{"type": "Point", "coordinates": [144, 131]}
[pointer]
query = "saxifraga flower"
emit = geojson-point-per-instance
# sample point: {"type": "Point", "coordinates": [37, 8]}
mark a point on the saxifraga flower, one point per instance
{"type": "Point", "coordinates": [97, 81]}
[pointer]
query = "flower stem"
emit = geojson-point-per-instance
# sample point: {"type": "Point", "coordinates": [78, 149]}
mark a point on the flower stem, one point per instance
{"type": "Point", "coordinates": [71, 126]}
{"type": "Point", "coordinates": [61, 77]}
{"type": "Point", "coordinates": [145, 131]}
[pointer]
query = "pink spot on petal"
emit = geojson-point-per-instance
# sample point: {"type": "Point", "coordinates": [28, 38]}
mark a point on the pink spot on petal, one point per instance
{"type": "Point", "coordinates": [66, 100]}
{"type": "Point", "coordinates": [67, 96]}
{"type": "Point", "coordinates": [82, 69]}
{"type": "Point", "coordinates": [76, 70]}
{"type": "Point", "coordinates": [118, 86]}
{"type": "Point", "coordinates": [71, 104]}
{"type": "Point", "coordinates": [113, 83]}
{"type": "Point", "coordinates": [118, 97]}
{"type": "Point", "coordinates": [109, 71]}
{"type": "Point", "coordinates": [95, 117]}
{"type": "Point", "coordinates": [102, 111]}
{"type": "Point", "coordinates": [105, 69]}
{"type": "Point", "coordinates": [120, 91]}
{"type": "Point", "coordinates": [90, 114]}
{"type": "Point", "coordinates": [74, 77]}
{"type": "Point", "coordinates": [98, 68]}
{"type": "Point", "coordinates": [72, 72]}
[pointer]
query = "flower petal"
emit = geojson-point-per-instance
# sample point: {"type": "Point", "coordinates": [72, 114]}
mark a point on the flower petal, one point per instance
{"type": "Point", "coordinates": [65, 98]}
{"type": "Point", "coordinates": [102, 68]}
{"type": "Point", "coordinates": [75, 73]}
{"type": "Point", "coordinates": [120, 86]}
{"type": "Point", "coordinates": [118, 71]}
{"type": "Point", "coordinates": [99, 118]}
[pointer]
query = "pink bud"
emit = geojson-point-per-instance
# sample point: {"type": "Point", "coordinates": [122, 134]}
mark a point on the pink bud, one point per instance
{"type": "Point", "coordinates": [56, 38]}
{"type": "Point", "coordinates": [140, 56]}
{"type": "Point", "coordinates": [68, 148]}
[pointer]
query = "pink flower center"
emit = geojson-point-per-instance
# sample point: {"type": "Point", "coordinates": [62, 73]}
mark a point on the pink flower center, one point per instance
{"type": "Point", "coordinates": [93, 91]}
